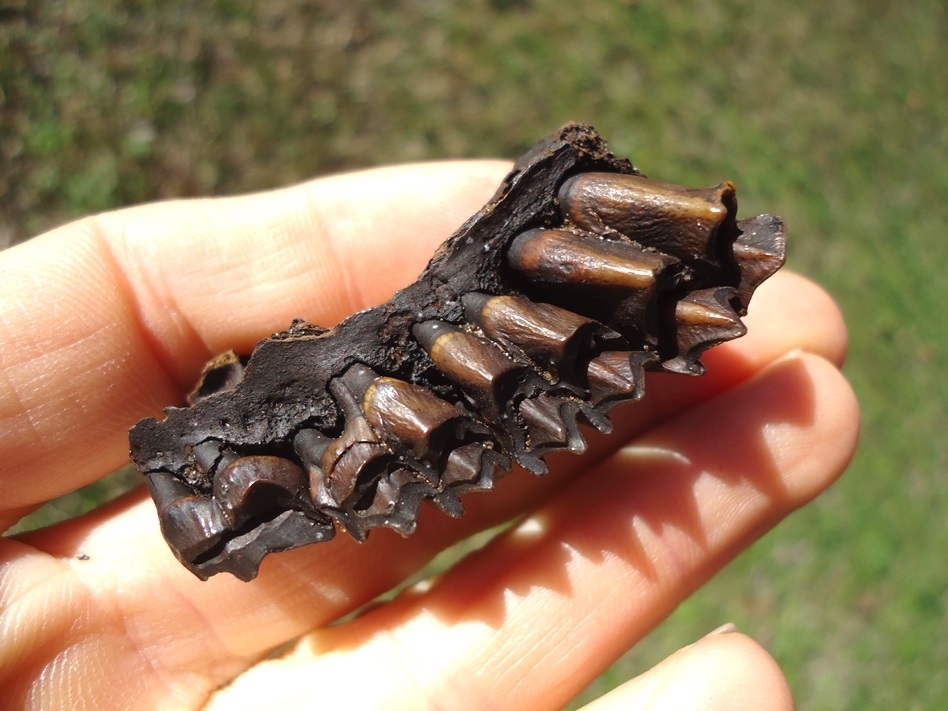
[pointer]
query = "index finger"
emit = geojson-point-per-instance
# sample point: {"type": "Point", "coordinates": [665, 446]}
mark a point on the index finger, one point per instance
{"type": "Point", "coordinates": [109, 319]}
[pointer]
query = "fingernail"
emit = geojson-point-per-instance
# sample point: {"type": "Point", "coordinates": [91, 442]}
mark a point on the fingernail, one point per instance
{"type": "Point", "coordinates": [726, 628]}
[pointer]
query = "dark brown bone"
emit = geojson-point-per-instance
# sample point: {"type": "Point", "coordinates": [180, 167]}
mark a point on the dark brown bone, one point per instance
{"type": "Point", "coordinates": [657, 264]}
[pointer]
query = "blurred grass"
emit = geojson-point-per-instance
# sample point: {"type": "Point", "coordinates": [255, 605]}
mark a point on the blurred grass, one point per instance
{"type": "Point", "coordinates": [833, 115]}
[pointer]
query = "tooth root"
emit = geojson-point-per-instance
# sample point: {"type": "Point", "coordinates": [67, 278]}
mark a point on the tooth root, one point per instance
{"type": "Point", "coordinates": [310, 446]}
{"type": "Point", "coordinates": [760, 250]}
{"type": "Point", "coordinates": [674, 219]}
{"type": "Point", "coordinates": [552, 337]}
{"type": "Point", "coordinates": [358, 455]}
{"type": "Point", "coordinates": [703, 319]}
{"type": "Point", "coordinates": [250, 486]}
{"type": "Point", "coordinates": [610, 280]}
{"type": "Point", "coordinates": [191, 523]}
{"type": "Point", "coordinates": [473, 363]}
{"type": "Point", "coordinates": [206, 455]}
{"type": "Point", "coordinates": [415, 417]}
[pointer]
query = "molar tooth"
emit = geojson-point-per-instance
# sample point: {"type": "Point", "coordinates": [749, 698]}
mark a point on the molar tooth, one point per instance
{"type": "Point", "coordinates": [703, 319]}
{"type": "Point", "coordinates": [252, 485]}
{"type": "Point", "coordinates": [760, 250]}
{"type": "Point", "coordinates": [610, 280]}
{"type": "Point", "coordinates": [616, 375]}
{"type": "Point", "coordinates": [677, 220]}
{"type": "Point", "coordinates": [190, 522]}
{"type": "Point", "coordinates": [206, 455]}
{"type": "Point", "coordinates": [561, 257]}
{"type": "Point", "coordinates": [553, 337]}
{"type": "Point", "coordinates": [416, 417]}
{"type": "Point", "coordinates": [357, 456]}
{"type": "Point", "coordinates": [473, 363]}
{"type": "Point", "coordinates": [542, 417]}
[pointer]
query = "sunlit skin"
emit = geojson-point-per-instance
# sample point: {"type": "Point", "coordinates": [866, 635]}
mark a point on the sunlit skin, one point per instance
{"type": "Point", "coordinates": [108, 319]}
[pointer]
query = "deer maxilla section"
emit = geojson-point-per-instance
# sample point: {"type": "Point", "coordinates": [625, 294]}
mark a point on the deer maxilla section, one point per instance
{"type": "Point", "coordinates": [613, 276]}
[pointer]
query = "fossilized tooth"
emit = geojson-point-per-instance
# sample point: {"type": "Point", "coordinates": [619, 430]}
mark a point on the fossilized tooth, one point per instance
{"type": "Point", "coordinates": [241, 555]}
{"type": "Point", "coordinates": [192, 523]}
{"type": "Point", "coordinates": [703, 318]}
{"type": "Point", "coordinates": [612, 281]}
{"type": "Point", "coordinates": [357, 455]}
{"type": "Point", "coordinates": [759, 250]}
{"type": "Point", "coordinates": [474, 364]}
{"type": "Point", "coordinates": [418, 418]}
{"type": "Point", "coordinates": [680, 221]}
{"type": "Point", "coordinates": [252, 486]}
{"type": "Point", "coordinates": [551, 424]}
{"type": "Point", "coordinates": [473, 466]}
{"type": "Point", "coordinates": [310, 445]}
{"type": "Point", "coordinates": [398, 496]}
{"type": "Point", "coordinates": [552, 337]}
{"type": "Point", "coordinates": [618, 376]}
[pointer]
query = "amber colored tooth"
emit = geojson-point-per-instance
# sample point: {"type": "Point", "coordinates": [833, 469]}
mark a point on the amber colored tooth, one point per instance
{"type": "Point", "coordinates": [413, 416]}
{"type": "Point", "coordinates": [760, 250]}
{"type": "Point", "coordinates": [191, 523]}
{"type": "Point", "coordinates": [476, 365]}
{"type": "Point", "coordinates": [550, 336]}
{"type": "Point", "coordinates": [703, 319]}
{"type": "Point", "coordinates": [249, 486]}
{"type": "Point", "coordinates": [561, 257]}
{"type": "Point", "coordinates": [674, 219]}
{"type": "Point", "coordinates": [610, 280]}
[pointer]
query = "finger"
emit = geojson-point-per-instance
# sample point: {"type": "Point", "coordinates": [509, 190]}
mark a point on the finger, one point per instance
{"type": "Point", "coordinates": [109, 319]}
{"type": "Point", "coordinates": [723, 672]}
{"type": "Point", "coordinates": [548, 606]}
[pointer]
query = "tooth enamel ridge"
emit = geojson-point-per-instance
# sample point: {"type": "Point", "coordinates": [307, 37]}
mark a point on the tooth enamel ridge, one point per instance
{"type": "Point", "coordinates": [536, 318]}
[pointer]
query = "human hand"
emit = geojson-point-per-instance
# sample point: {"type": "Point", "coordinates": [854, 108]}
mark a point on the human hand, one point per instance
{"type": "Point", "coordinates": [108, 319]}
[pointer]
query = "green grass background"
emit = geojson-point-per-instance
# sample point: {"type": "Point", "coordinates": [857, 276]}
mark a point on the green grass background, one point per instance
{"type": "Point", "coordinates": [831, 114]}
